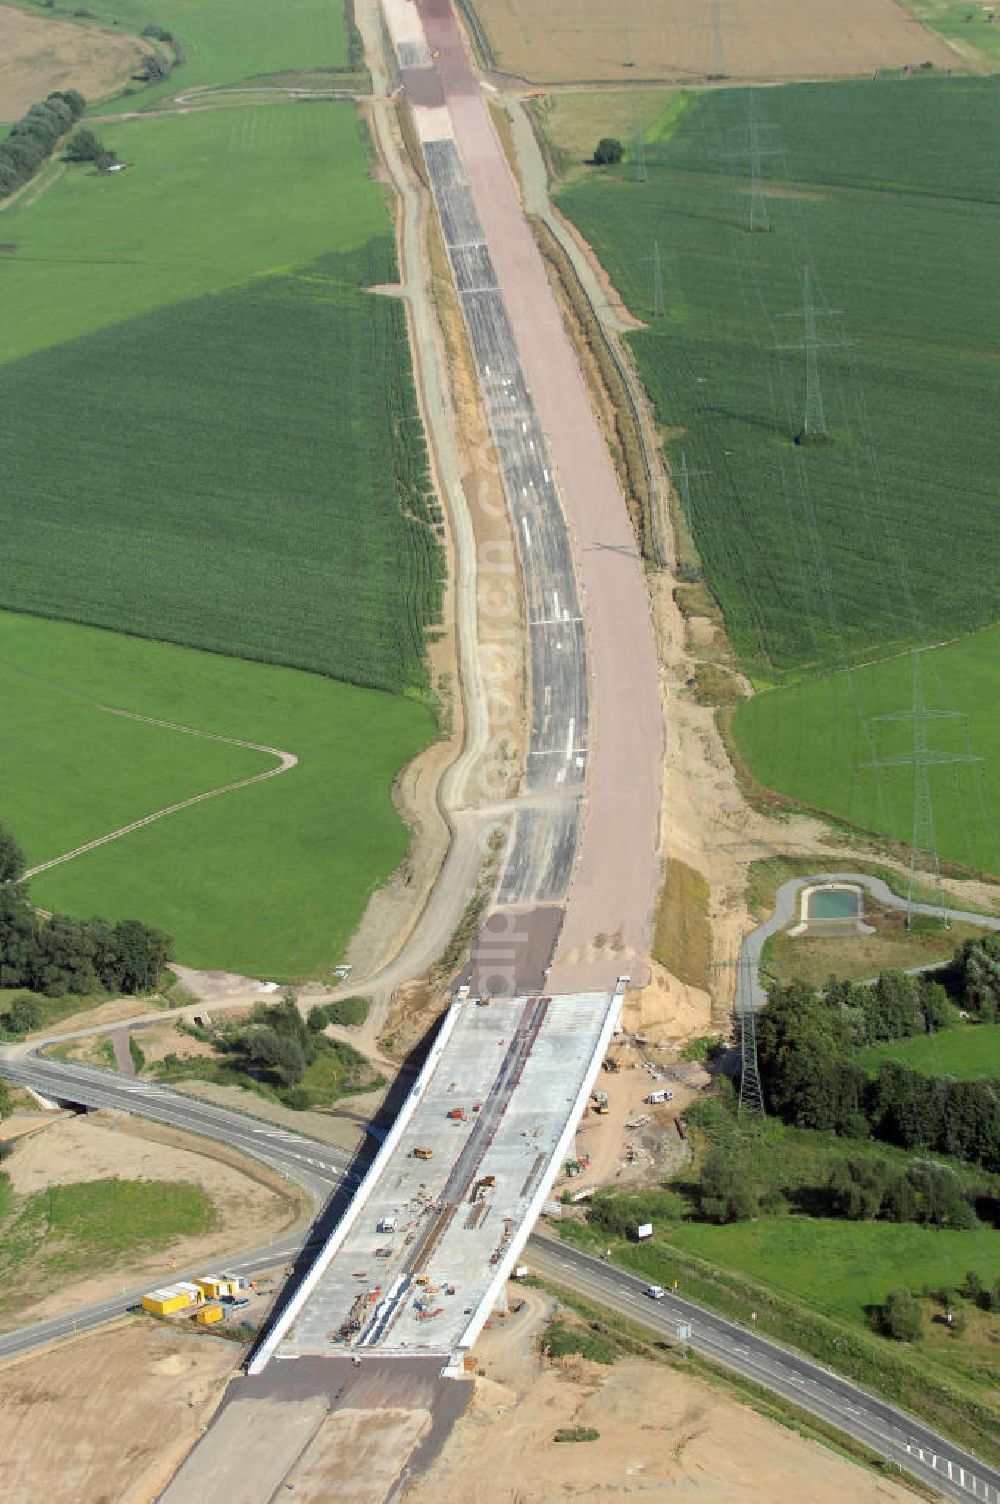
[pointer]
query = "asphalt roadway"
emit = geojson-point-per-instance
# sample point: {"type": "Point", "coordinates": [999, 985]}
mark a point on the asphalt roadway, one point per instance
{"type": "Point", "coordinates": [315, 1166]}
{"type": "Point", "coordinates": [888, 1431]}
{"type": "Point", "coordinates": [543, 850]}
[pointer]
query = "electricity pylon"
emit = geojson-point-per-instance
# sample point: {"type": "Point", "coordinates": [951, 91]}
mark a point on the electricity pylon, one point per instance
{"type": "Point", "coordinates": [718, 67]}
{"type": "Point", "coordinates": [749, 147]}
{"type": "Point", "coordinates": [921, 758]}
{"type": "Point", "coordinates": [640, 161]}
{"type": "Point", "coordinates": [745, 1013]}
{"type": "Point", "coordinates": [681, 478]}
{"type": "Point", "coordinates": [813, 429]}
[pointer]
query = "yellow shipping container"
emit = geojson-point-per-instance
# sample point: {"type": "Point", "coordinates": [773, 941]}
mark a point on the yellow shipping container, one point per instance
{"type": "Point", "coordinates": [209, 1314]}
{"type": "Point", "coordinates": [215, 1285]}
{"type": "Point", "coordinates": [172, 1298]}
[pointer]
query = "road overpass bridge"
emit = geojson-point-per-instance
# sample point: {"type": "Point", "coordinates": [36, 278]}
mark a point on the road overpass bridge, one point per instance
{"type": "Point", "coordinates": [421, 1256]}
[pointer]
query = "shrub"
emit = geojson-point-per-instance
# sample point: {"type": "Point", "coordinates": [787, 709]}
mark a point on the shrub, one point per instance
{"type": "Point", "coordinates": [348, 1012]}
{"type": "Point", "coordinates": [900, 1317]}
{"type": "Point", "coordinates": [561, 1341]}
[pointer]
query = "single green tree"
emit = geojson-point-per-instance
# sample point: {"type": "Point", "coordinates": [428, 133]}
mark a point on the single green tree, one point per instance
{"type": "Point", "coordinates": [608, 151]}
{"type": "Point", "coordinates": [85, 147]}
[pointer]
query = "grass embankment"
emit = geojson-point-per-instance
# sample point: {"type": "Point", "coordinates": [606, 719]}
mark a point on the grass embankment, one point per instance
{"type": "Point", "coordinates": [815, 1280]}
{"type": "Point", "coordinates": [71, 1229]}
{"type": "Point", "coordinates": [970, 1053]}
{"type": "Point", "coordinates": [682, 937]}
{"type": "Point", "coordinates": [47, 1012]}
{"type": "Point", "coordinates": [829, 554]}
{"type": "Point", "coordinates": [270, 880]}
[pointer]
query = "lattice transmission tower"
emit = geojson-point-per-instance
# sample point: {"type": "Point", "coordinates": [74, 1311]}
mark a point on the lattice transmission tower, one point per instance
{"type": "Point", "coordinates": [640, 161]}
{"type": "Point", "coordinates": [921, 757]}
{"type": "Point", "coordinates": [814, 429]}
{"type": "Point", "coordinates": [748, 149]}
{"type": "Point", "coordinates": [718, 65]}
{"type": "Point", "coordinates": [745, 1013]}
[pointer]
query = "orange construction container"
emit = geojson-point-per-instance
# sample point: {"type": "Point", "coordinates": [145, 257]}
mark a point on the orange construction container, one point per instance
{"type": "Point", "coordinates": [208, 1315]}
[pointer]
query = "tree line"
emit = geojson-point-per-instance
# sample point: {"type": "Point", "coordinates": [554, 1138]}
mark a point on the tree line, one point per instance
{"type": "Point", "coordinates": [805, 1045]}
{"type": "Point", "coordinates": [33, 138]}
{"type": "Point", "coordinates": [62, 954]}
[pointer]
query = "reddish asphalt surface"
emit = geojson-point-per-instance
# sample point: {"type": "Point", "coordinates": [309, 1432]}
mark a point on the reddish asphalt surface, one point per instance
{"type": "Point", "coordinates": [616, 879]}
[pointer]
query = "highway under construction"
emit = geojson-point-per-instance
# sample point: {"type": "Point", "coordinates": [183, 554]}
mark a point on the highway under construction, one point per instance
{"type": "Point", "coordinates": [423, 1252]}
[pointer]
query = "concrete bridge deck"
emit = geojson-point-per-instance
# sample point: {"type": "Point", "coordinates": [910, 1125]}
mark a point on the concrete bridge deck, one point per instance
{"type": "Point", "coordinates": [421, 1255]}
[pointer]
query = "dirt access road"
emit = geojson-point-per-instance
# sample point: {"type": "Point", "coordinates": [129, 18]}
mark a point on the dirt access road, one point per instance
{"type": "Point", "coordinates": [609, 910]}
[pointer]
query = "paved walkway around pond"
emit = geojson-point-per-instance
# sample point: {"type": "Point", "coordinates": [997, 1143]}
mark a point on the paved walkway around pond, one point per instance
{"type": "Point", "coordinates": [750, 993]}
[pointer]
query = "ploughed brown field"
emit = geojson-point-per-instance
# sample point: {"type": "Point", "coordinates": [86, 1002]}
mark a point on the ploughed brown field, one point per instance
{"type": "Point", "coordinates": [572, 41]}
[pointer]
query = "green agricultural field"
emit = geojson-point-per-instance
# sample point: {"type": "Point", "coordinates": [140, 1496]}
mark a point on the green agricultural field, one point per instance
{"type": "Point", "coordinates": [824, 555]}
{"type": "Point", "coordinates": [243, 471]}
{"type": "Point", "coordinates": [270, 880]}
{"type": "Point", "coordinates": [223, 41]}
{"type": "Point", "coordinates": [209, 200]}
{"type": "Point", "coordinates": [108, 770]}
{"type": "Point", "coordinates": [809, 741]}
{"type": "Point", "coordinates": [968, 1054]}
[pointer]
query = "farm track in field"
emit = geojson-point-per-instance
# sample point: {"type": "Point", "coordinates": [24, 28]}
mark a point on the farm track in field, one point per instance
{"type": "Point", "coordinates": [286, 762]}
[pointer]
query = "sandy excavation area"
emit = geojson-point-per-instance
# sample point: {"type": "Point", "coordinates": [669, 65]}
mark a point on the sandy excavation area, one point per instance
{"type": "Point", "coordinates": [38, 55]}
{"type": "Point", "coordinates": [663, 1435]}
{"type": "Point", "coordinates": [252, 1206]}
{"type": "Point", "coordinates": [573, 41]}
{"type": "Point", "coordinates": [105, 1419]}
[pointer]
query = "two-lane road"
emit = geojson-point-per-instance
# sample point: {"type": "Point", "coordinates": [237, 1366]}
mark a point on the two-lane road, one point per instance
{"type": "Point", "coordinates": [315, 1166]}
{"type": "Point", "coordinates": [872, 1421]}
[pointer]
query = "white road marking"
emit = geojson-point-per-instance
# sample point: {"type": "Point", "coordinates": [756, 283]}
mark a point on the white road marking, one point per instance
{"type": "Point", "coordinates": [555, 603]}
{"type": "Point", "coordinates": [527, 535]}
{"type": "Point", "coordinates": [569, 738]}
